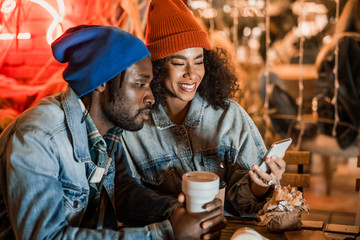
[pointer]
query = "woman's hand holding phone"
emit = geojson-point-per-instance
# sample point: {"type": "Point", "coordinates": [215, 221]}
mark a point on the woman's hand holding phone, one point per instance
{"type": "Point", "coordinates": [271, 168]}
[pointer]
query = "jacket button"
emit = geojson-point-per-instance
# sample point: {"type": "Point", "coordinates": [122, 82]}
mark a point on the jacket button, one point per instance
{"type": "Point", "coordinates": [222, 165]}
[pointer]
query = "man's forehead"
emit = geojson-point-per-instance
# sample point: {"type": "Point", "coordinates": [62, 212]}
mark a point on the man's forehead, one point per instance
{"type": "Point", "coordinates": [134, 74]}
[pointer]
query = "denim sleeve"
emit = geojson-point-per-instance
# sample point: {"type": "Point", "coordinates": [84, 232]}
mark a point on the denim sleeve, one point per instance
{"type": "Point", "coordinates": [33, 194]}
{"type": "Point", "coordinates": [135, 204]}
{"type": "Point", "coordinates": [239, 197]}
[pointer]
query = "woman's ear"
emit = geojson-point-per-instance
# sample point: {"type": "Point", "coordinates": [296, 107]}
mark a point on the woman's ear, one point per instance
{"type": "Point", "coordinates": [101, 88]}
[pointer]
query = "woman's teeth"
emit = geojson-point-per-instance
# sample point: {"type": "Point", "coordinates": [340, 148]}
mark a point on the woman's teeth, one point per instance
{"type": "Point", "coordinates": [187, 86]}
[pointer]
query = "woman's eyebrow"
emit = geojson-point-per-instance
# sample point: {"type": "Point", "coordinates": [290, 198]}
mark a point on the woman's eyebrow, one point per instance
{"type": "Point", "coordinates": [184, 58]}
{"type": "Point", "coordinates": [178, 56]}
{"type": "Point", "coordinates": [199, 56]}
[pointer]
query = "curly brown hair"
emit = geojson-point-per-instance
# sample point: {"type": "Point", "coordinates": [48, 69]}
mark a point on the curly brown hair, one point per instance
{"type": "Point", "coordinates": [219, 82]}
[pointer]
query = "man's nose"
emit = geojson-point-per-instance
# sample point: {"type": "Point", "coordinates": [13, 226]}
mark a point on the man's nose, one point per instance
{"type": "Point", "coordinates": [149, 99]}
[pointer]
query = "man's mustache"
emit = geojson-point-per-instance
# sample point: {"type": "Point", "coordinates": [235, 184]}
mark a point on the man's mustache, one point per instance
{"type": "Point", "coordinates": [147, 108]}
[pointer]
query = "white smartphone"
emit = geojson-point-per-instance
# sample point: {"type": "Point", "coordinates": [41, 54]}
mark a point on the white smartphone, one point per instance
{"type": "Point", "coordinates": [277, 149]}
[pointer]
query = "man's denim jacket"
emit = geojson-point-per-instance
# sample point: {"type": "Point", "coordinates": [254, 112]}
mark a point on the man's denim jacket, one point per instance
{"type": "Point", "coordinates": [44, 188]}
{"type": "Point", "coordinates": [223, 141]}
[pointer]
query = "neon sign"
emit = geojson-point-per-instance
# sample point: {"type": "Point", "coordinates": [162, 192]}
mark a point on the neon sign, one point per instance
{"type": "Point", "coordinates": [8, 6]}
{"type": "Point", "coordinates": [54, 28]}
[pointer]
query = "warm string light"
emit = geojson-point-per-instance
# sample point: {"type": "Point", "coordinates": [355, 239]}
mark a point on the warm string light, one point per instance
{"type": "Point", "coordinates": [336, 82]}
{"type": "Point", "coordinates": [267, 65]}
{"type": "Point", "coordinates": [300, 99]}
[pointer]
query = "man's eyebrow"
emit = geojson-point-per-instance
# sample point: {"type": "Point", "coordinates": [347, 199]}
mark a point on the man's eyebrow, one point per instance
{"type": "Point", "coordinates": [184, 58]}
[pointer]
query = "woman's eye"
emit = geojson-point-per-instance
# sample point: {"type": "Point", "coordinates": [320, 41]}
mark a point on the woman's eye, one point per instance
{"type": "Point", "coordinates": [177, 64]}
{"type": "Point", "coordinates": [140, 84]}
{"type": "Point", "coordinates": [199, 63]}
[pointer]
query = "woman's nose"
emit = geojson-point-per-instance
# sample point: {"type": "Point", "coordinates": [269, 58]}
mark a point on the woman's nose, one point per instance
{"type": "Point", "coordinates": [190, 73]}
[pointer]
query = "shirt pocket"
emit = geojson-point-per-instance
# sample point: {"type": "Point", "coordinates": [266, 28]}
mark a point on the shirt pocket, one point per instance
{"type": "Point", "coordinates": [75, 200]}
{"type": "Point", "coordinates": [161, 175]}
{"type": "Point", "coordinates": [214, 163]}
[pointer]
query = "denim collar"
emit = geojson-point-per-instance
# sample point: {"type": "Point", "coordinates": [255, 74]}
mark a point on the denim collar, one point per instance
{"type": "Point", "coordinates": [193, 117]}
{"type": "Point", "coordinates": [73, 115]}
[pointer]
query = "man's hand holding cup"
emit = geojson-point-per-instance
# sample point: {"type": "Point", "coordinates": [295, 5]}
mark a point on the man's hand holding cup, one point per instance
{"type": "Point", "coordinates": [202, 217]}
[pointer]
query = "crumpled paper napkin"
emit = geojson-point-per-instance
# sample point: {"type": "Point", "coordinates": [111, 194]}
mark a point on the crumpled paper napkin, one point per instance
{"type": "Point", "coordinates": [283, 211]}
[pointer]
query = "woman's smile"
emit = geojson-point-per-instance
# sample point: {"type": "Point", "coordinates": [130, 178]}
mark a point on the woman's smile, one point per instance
{"type": "Point", "coordinates": [188, 87]}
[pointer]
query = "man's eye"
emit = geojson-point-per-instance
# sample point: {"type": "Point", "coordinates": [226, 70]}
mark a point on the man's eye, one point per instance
{"type": "Point", "coordinates": [199, 63]}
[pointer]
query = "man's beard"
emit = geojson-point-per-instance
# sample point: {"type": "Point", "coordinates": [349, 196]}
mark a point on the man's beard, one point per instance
{"type": "Point", "coordinates": [129, 123]}
{"type": "Point", "coordinates": [119, 111]}
{"type": "Point", "coordinates": [119, 116]}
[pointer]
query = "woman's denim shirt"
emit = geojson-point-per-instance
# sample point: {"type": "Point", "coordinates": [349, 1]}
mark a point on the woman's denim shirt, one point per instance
{"type": "Point", "coordinates": [223, 141]}
{"type": "Point", "coordinates": [44, 188]}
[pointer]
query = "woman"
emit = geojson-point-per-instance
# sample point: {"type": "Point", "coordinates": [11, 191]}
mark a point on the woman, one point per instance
{"type": "Point", "coordinates": [193, 125]}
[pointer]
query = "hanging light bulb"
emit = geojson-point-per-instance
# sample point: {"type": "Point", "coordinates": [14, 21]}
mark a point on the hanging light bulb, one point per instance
{"type": "Point", "coordinates": [227, 8]}
{"type": "Point", "coordinates": [209, 13]}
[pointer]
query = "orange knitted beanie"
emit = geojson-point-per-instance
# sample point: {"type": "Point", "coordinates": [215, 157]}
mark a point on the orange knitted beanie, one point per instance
{"type": "Point", "coordinates": [171, 27]}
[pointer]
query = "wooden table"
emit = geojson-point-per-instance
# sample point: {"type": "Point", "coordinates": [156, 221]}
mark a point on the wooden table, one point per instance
{"type": "Point", "coordinates": [314, 229]}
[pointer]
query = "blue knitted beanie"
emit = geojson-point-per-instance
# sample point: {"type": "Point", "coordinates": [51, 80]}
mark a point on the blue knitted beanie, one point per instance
{"type": "Point", "coordinates": [96, 54]}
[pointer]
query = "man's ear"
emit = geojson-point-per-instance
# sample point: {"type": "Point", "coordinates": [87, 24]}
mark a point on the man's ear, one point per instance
{"type": "Point", "coordinates": [101, 88]}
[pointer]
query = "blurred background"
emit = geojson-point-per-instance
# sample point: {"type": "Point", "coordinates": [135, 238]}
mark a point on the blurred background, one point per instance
{"type": "Point", "coordinates": [263, 37]}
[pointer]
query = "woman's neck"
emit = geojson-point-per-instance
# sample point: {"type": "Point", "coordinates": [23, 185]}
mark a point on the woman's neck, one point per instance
{"type": "Point", "coordinates": [176, 110]}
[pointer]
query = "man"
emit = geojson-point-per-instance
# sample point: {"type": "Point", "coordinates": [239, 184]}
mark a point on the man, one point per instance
{"type": "Point", "coordinates": [58, 158]}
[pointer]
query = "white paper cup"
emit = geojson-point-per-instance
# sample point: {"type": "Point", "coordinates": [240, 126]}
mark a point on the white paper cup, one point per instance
{"type": "Point", "coordinates": [200, 188]}
{"type": "Point", "coordinates": [246, 233]}
{"type": "Point", "coordinates": [221, 193]}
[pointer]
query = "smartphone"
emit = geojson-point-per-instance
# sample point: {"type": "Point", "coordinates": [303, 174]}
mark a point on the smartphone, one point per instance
{"type": "Point", "coordinates": [278, 149]}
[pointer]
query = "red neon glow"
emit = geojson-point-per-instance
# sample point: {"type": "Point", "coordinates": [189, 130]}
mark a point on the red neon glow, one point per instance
{"type": "Point", "coordinates": [57, 18]}
{"type": "Point", "coordinates": [54, 29]}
